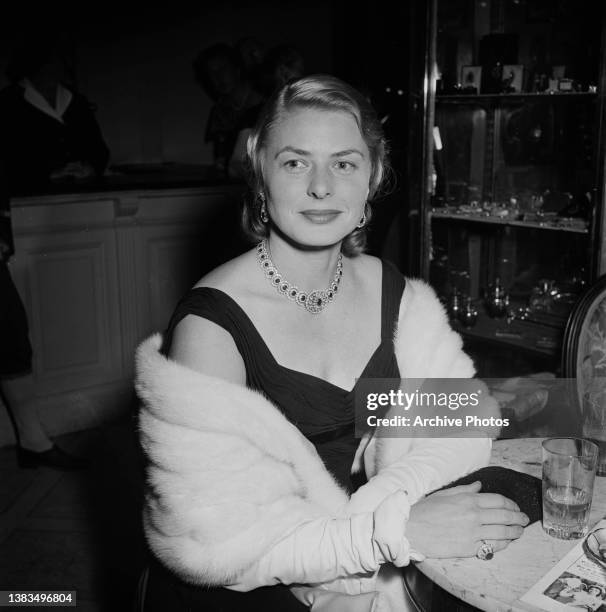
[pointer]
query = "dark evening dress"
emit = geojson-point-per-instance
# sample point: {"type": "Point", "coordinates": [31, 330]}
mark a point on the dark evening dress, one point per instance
{"type": "Point", "coordinates": [322, 411]}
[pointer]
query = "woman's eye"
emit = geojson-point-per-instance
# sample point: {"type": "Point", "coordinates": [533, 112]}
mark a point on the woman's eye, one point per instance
{"type": "Point", "coordinates": [295, 165]}
{"type": "Point", "coordinates": [345, 166]}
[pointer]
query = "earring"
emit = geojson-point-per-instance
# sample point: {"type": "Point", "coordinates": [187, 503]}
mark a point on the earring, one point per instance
{"type": "Point", "coordinates": [362, 220]}
{"type": "Point", "coordinates": [263, 212]}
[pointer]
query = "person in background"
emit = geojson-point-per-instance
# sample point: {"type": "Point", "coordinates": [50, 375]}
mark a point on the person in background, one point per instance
{"type": "Point", "coordinates": [282, 64]}
{"type": "Point", "coordinates": [49, 130]}
{"type": "Point", "coordinates": [34, 446]}
{"type": "Point", "coordinates": [251, 53]}
{"type": "Point", "coordinates": [218, 71]}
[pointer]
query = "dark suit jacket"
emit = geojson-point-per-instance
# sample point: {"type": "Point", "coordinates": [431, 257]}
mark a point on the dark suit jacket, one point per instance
{"type": "Point", "coordinates": [33, 144]}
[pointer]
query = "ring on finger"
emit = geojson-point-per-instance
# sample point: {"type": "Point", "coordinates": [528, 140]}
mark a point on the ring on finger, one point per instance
{"type": "Point", "coordinates": [485, 552]}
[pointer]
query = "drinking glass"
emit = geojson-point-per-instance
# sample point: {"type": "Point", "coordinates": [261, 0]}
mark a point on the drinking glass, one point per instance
{"type": "Point", "coordinates": [569, 466]}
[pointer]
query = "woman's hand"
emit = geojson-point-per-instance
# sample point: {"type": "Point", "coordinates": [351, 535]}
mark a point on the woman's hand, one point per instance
{"type": "Point", "coordinates": [453, 522]}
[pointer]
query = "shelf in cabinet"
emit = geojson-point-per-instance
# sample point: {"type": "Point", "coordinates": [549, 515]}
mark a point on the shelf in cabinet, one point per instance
{"type": "Point", "coordinates": [543, 225]}
{"type": "Point", "coordinates": [525, 335]}
{"type": "Point", "coordinates": [512, 97]}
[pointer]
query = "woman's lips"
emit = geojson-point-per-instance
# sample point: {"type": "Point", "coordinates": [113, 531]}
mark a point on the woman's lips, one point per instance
{"type": "Point", "coordinates": [321, 216]}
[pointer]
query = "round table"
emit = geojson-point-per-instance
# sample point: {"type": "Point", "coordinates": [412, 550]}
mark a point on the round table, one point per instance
{"type": "Point", "coordinates": [497, 585]}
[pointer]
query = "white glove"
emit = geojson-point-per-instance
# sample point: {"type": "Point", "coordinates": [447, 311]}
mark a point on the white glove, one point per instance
{"type": "Point", "coordinates": [324, 549]}
{"type": "Point", "coordinates": [426, 465]}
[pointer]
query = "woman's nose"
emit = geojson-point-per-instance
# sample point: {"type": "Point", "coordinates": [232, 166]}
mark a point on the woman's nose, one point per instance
{"type": "Point", "coordinates": [320, 184]}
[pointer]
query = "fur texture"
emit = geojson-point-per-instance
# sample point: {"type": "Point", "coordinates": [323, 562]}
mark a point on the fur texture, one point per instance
{"type": "Point", "coordinates": [229, 476]}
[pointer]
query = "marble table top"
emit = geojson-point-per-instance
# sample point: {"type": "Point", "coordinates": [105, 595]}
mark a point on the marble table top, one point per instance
{"type": "Point", "coordinates": [497, 585]}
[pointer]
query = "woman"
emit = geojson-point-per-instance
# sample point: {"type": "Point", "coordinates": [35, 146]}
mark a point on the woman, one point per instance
{"type": "Point", "coordinates": [249, 423]}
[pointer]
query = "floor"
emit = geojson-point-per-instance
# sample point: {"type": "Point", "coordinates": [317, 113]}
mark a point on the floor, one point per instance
{"type": "Point", "coordinates": [76, 531]}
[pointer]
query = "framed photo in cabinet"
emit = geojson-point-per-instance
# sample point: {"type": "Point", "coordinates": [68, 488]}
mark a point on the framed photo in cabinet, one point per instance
{"type": "Point", "coordinates": [512, 78]}
{"type": "Point", "coordinates": [471, 76]}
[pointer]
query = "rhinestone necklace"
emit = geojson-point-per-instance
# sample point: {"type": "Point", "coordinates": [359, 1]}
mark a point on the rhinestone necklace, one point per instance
{"type": "Point", "coordinates": [313, 302]}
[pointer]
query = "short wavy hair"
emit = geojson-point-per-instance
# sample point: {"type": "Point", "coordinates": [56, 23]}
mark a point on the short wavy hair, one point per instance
{"type": "Point", "coordinates": [320, 92]}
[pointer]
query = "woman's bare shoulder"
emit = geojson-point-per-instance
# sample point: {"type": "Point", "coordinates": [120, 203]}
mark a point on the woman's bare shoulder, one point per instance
{"type": "Point", "coordinates": [206, 347]}
{"type": "Point", "coordinates": [202, 344]}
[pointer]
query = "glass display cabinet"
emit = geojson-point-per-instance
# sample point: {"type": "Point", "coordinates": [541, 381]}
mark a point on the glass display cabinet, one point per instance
{"type": "Point", "coordinates": [511, 213]}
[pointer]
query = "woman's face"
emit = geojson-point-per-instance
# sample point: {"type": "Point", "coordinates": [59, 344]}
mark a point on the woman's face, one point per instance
{"type": "Point", "coordinates": [316, 168]}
